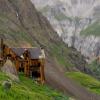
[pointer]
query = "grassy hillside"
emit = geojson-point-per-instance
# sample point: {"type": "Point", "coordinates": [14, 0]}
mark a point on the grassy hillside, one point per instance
{"type": "Point", "coordinates": [93, 29]}
{"type": "Point", "coordinates": [28, 90]}
{"type": "Point", "coordinates": [85, 80]}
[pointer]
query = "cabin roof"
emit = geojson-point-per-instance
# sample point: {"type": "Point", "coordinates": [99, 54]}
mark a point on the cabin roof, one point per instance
{"type": "Point", "coordinates": [18, 51]}
{"type": "Point", "coordinates": [34, 52]}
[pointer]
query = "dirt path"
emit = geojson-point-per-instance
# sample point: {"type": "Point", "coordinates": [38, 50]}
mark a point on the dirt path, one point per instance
{"type": "Point", "coordinates": [56, 79]}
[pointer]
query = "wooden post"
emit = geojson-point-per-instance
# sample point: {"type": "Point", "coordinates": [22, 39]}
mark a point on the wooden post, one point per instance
{"type": "Point", "coordinates": [2, 49]}
{"type": "Point", "coordinates": [25, 68]}
{"type": "Point", "coordinates": [17, 65]}
{"type": "Point", "coordinates": [42, 71]}
{"type": "Point", "coordinates": [28, 68]}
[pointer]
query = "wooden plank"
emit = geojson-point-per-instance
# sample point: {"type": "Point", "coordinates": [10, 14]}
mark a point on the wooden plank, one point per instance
{"type": "Point", "coordinates": [42, 71]}
{"type": "Point", "coordinates": [25, 69]}
{"type": "Point", "coordinates": [17, 64]}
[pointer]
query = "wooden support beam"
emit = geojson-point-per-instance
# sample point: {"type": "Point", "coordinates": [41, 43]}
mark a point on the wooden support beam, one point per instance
{"type": "Point", "coordinates": [2, 48]}
{"type": "Point", "coordinates": [17, 64]}
{"type": "Point", "coordinates": [42, 76]}
{"type": "Point", "coordinates": [25, 68]}
{"type": "Point", "coordinates": [28, 68]}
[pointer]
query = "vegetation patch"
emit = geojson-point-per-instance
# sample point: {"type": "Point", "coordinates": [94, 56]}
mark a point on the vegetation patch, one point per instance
{"type": "Point", "coordinates": [59, 53]}
{"type": "Point", "coordinates": [61, 16]}
{"type": "Point", "coordinates": [95, 67]}
{"type": "Point", "coordinates": [28, 90]}
{"type": "Point", "coordinates": [93, 29]}
{"type": "Point", "coordinates": [85, 80]}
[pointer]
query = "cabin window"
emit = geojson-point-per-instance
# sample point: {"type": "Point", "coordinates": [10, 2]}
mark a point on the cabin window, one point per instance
{"type": "Point", "coordinates": [21, 68]}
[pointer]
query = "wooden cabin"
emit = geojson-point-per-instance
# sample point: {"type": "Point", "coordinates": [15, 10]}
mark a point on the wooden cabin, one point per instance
{"type": "Point", "coordinates": [31, 61]}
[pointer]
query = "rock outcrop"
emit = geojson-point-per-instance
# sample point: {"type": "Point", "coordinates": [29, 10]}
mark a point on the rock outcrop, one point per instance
{"type": "Point", "coordinates": [10, 69]}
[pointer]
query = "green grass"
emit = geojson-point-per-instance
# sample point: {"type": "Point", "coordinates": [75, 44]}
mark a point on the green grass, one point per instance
{"type": "Point", "coordinates": [59, 52]}
{"type": "Point", "coordinates": [93, 29]}
{"type": "Point", "coordinates": [28, 90]}
{"type": "Point", "coordinates": [85, 80]}
{"type": "Point", "coordinates": [61, 16]}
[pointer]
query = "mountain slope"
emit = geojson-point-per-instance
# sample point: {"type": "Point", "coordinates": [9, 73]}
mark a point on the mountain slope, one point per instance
{"type": "Point", "coordinates": [77, 22]}
{"type": "Point", "coordinates": [75, 16]}
{"type": "Point", "coordinates": [21, 25]}
{"type": "Point", "coordinates": [26, 27]}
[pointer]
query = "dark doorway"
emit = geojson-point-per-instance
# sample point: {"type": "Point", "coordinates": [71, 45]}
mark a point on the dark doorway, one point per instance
{"type": "Point", "coordinates": [35, 68]}
{"type": "Point", "coordinates": [21, 69]}
{"type": "Point", "coordinates": [35, 74]}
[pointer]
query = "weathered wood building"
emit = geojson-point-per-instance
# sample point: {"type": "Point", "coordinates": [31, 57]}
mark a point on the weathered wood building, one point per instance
{"type": "Point", "coordinates": [31, 61]}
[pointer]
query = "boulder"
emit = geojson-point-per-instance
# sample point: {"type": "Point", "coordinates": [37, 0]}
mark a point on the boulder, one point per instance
{"type": "Point", "coordinates": [10, 69]}
{"type": "Point", "coordinates": [7, 85]}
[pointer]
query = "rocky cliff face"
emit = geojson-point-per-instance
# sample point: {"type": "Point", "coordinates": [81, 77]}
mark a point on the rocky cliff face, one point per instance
{"type": "Point", "coordinates": [72, 17]}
